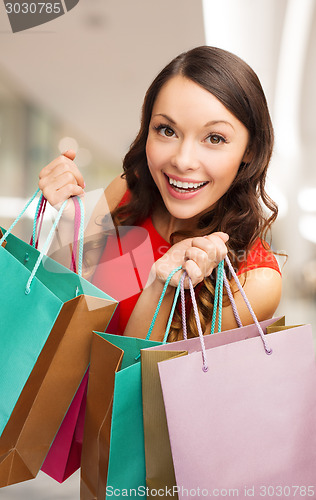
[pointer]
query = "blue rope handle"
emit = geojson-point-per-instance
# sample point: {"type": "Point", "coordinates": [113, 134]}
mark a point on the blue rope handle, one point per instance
{"type": "Point", "coordinates": [81, 231]}
{"type": "Point", "coordinates": [35, 220]}
{"type": "Point", "coordinates": [50, 236]}
{"type": "Point", "coordinates": [6, 234]}
{"type": "Point", "coordinates": [159, 304]}
{"type": "Point", "coordinates": [176, 295]}
{"type": "Point", "coordinates": [45, 247]}
{"type": "Point", "coordinates": [218, 298]}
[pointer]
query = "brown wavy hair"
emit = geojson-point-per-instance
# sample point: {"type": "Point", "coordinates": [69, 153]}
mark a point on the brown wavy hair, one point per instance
{"type": "Point", "coordinates": [241, 211]}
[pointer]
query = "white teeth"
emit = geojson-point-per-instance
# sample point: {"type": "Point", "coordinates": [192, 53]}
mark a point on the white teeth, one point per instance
{"type": "Point", "coordinates": [185, 185]}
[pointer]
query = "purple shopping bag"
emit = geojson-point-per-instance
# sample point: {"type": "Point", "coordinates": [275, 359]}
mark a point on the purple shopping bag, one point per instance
{"type": "Point", "coordinates": [241, 413]}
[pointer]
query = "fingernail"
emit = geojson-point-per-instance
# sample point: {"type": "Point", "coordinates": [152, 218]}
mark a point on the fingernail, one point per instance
{"type": "Point", "coordinates": [84, 184]}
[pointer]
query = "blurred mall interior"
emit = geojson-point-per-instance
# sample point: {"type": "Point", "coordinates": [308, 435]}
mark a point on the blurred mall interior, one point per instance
{"type": "Point", "coordinates": [79, 81]}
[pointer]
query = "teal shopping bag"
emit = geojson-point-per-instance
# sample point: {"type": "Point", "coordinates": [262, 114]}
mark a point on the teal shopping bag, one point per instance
{"type": "Point", "coordinates": [113, 455]}
{"type": "Point", "coordinates": [47, 314]}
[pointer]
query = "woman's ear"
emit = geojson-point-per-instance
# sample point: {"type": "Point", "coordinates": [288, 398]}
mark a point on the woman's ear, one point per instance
{"type": "Point", "coordinates": [247, 156]}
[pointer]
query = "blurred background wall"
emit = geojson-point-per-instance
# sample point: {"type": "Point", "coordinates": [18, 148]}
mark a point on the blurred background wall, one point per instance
{"type": "Point", "coordinates": [79, 82]}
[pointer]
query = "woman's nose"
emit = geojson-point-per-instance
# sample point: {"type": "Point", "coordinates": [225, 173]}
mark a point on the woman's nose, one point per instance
{"type": "Point", "coordinates": [185, 156]}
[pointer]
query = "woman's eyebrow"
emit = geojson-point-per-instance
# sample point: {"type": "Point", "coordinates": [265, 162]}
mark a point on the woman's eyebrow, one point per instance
{"type": "Point", "coordinates": [212, 122]}
{"type": "Point", "coordinates": [216, 122]}
{"type": "Point", "coordinates": [166, 117]}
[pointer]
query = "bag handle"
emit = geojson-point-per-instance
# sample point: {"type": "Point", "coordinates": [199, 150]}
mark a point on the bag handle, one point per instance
{"type": "Point", "coordinates": [18, 217]}
{"type": "Point", "coordinates": [77, 232]}
{"type": "Point", "coordinates": [176, 295]}
{"type": "Point", "coordinates": [267, 349]}
{"type": "Point", "coordinates": [49, 237]}
{"type": "Point", "coordinates": [218, 301]}
{"type": "Point", "coordinates": [38, 221]}
{"type": "Point", "coordinates": [153, 321]}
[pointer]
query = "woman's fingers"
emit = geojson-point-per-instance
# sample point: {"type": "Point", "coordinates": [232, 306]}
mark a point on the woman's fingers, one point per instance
{"type": "Point", "coordinates": [61, 164]}
{"type": "Point", "coordinates": [204, 255]}
{"type": "Point", "coordinates": [61, 179]}
{"type": "Point", "coordinates": [198, 257]}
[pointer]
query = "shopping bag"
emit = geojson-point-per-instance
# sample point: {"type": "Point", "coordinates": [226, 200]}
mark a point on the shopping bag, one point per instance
{"type": "Point", "coordinates": [113, 457]}
{"type": "Point", "coordinates": [242, 415]}
{"type": "Point", "coordinates": [47, 317]}
{"type": "Point", "coordinates": [64, 455]}
{"type": "Point", "coordinates": [158, 458]}
{"type": "Point", "coordinates": [159, 464]}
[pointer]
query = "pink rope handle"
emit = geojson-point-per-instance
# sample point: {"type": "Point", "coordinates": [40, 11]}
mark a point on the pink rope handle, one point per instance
{"type": "Point", "coordinates": [183, 308]}
{"type": "Point", "coordinates": [254, 317]}
{"type": "Point", "coordinates": [76, 234]}
{"type": "Point", "coordinates": [39, 221]}
{"type": "Point", "coordinates": [198, 324]}
{"type": "Point", "coordinates": [232, 300]}
{"type": "Point", "coordinates": [268, 350]}
{"type": "Point", "coordinates": [196, 315]}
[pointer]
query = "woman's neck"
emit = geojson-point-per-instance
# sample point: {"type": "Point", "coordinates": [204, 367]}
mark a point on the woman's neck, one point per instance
{"type": "Point", "coordinates": [165, 224]}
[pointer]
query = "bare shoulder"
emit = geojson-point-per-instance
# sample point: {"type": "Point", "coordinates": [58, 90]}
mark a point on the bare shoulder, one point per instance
{"type": "Point", "coordinates": [115, 192]}
{"type": "Point", "coordinates": [263, 287]}
{"type": "Point", "coordinates": [109, 200]}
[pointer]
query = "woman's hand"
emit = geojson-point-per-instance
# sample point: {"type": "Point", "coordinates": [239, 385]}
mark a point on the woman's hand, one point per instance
{"type": "Point", "coordinates": [61, 179]}
{"type": "Point", "coordinates": [198, 257]}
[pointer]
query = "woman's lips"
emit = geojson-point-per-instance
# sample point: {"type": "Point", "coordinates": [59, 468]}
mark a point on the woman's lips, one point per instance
{"type": "Point", "coordinates": [184, 192]}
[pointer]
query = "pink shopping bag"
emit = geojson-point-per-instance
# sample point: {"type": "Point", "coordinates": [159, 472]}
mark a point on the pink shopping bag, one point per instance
{"type": "Point", "coordinates": [64, 456]}
{"type": "Point", "coordinates": [242, 419]}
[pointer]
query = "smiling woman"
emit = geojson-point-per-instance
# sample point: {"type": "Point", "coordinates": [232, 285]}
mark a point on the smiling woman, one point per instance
{"type": "Point", "coordinates": [190, 158]}
{"type": "Point", "coordinates": [194, 179]}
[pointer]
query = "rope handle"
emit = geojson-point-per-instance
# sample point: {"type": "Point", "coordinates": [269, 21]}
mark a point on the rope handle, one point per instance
{"type": "Point", "coordinates": [18, 217]}
{"type": "Point", "coordinates": [45, 247]}
{"type": "Point", "coordinates": [79, 218]}
{"type": "Point", "coordinates": [196, 313]}
{"type": "Point", "coordinates": [159, 304]}
{"type": "Point", "coordinates": [218, 298]}
{"type": "Point", "coordinates": [218, 301]}
{"type": "Point", "coordinates": [267, 349]}
{"type": "Point", "coordinates": [38, 220]}
{"type": "Point", "coordinates": [78, 236]}
{"type": "Point", "coordinates": [50, 236]}
{"type": "Point", "coordinates": [175, 299]}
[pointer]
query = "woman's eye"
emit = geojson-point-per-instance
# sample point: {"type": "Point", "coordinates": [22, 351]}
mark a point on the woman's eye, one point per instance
{"type": "Point", "coordinates": [215, 139]}
{"type": "Point", "coordinates": [165, 131]}
{"type": "Point", "coordinates": [168, 132]}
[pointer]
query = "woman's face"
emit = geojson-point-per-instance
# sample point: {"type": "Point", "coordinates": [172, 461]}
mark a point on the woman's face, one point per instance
{"type": "Point", "coordinates": [194, 147]}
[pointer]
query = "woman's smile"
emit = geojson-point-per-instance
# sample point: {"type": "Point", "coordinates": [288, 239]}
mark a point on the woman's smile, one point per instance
{"type": "Point", "coordinates": [184, 188]}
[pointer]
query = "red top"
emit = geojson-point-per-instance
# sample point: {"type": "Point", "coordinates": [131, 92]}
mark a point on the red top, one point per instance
{"type": "Point", "coordinates": [128, 256]}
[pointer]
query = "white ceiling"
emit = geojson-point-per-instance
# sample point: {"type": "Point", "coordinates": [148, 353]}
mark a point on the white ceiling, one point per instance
{"type": "Point", "coordinates": [90, 68]}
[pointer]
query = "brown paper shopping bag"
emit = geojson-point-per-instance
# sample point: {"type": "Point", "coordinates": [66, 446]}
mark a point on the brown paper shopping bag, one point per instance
{"type": "Point", "coordinates": [113, 455]}
{"type": "Point", "coordinates": [159, 464]}
{"type": "Point", "coordinates": [47, 316]}
{"type": "Point", "coordinates": [50, 388]}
